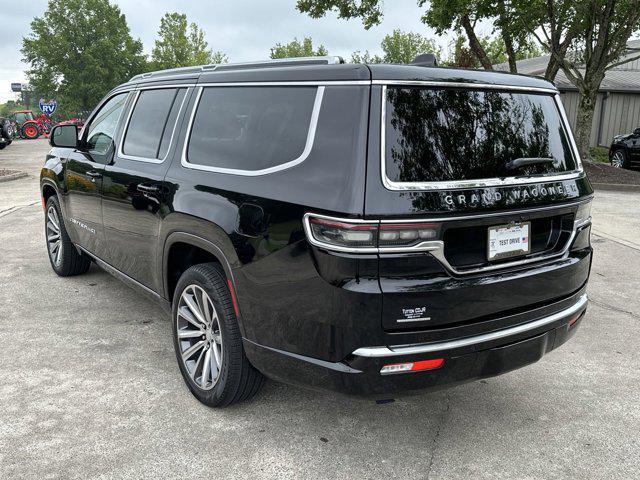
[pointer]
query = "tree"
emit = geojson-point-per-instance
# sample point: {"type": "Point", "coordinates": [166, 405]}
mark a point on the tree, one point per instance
{"type": "Point", "coordinates": [369, 11]}
{"type": "Point", "coordinates": [9, 107]}
{"type": "Point", "coordinates": [403, 47]}
{"type": "Point", "coordinates": [443, 15]}
{"type": "Point", "coordinates": [182, 45]}
{"type": "Point", "coordinates": [585, 39]}
{"type": "Point", "coordinates": [508, 43]}
{"type": "Point", "coordinates": [366, 57]}
{"type": "Point", "coordinates": [399, 47]}
{"type": "Point", "coordinates": [79, 50]}
{"type": "Point", "coordinates": [461, 56]}
{"type": "Point", "coordinates": [296, 48]}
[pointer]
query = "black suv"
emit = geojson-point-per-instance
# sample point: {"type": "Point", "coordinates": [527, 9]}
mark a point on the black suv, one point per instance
{"type": "Point", "coordinates": [624, 151]}
{"type": "Point", "coordinates": [363, 229]}
{"type": "Point", "coordinates": [6, 132]}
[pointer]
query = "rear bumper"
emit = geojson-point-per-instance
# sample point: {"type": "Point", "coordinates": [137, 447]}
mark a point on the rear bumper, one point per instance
{"type": "Point", "coordinates": [466, 359]}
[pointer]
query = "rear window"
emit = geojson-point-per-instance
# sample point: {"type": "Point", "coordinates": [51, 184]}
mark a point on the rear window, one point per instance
{"type": "Point", "coordinates": [251, 128]}
{"type": "Point", "coordinates": [449, 134]}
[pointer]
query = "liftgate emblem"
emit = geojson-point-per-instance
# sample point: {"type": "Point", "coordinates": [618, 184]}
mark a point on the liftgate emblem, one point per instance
{"type": "Point", "coordinates": [521, 194]}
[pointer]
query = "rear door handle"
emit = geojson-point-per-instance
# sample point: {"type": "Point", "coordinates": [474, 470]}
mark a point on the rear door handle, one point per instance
{"type": "Point", "coordinates": [148, 188]}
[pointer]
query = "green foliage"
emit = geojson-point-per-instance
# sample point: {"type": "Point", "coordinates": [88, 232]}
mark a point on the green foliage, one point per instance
{"type": "Point", "coordinates": [366, 57]}
{"type": "Point", "coordinates": [296, 48]}
{"type": "Point", "coordinates": [445, 15]}
{"type": "Point", "coordinates": [461, 56]}
{"type": "Point", "coordinates": [181, 45]}
{"type": "Point", "coordinates": [9, 107]}
{"type": "Point", "coordinates": [403, 47]}
{"type": "Point", "coordinates": [399, 47]}
{"type": "Point", "coordinates": [599, 154]}
{"type": "Point", "coordinates": [78, 50]}
{"type": "Point", "coordinates": [370, 11]}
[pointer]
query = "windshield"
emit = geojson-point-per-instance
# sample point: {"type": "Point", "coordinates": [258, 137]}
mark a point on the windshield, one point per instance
{"type": "Point", "coordinates": [23, 117]}
{"type": "Point", "coordinates": [449, 134]}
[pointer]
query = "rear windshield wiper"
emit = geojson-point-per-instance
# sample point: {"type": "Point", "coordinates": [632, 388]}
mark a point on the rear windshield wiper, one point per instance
{"type": "Point", "coordinates": [521, 162]}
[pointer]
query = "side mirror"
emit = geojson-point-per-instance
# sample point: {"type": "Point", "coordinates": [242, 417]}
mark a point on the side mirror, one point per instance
{"type": "Point", "coordinates": [636, 131]}
{"type": "Point", "coordinates": [65, 136]}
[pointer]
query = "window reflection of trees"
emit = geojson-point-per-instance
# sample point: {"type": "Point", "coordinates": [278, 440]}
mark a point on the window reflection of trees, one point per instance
{"type": "Point", "coordinates": [458, 134]}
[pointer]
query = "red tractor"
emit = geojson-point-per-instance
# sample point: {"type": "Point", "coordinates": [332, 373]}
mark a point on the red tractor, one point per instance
{"type": "Point", "coordinates": [30, 127]}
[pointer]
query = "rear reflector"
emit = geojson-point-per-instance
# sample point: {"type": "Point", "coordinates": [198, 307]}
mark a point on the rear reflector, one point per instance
{"type": "Point", "coordinates": [412, 366]}
{"type": "Point", "coordinates": [234, 301]}
{"type": "Point", "coordinates": [575, 318]}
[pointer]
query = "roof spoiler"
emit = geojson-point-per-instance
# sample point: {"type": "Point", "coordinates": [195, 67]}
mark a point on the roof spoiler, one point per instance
{"type": "Point", "coordinates": [425, 60]}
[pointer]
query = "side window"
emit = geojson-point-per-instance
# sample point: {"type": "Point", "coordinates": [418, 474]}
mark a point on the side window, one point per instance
{"type": "Point", "coordinates": [152, 122]}
{"type": "Point", "coordinates": [252, 128]}
{"type": "Point", "coordinates": [103, 126]}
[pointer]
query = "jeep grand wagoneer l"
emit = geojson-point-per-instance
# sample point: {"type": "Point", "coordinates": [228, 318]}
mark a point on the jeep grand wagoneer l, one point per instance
{"type": "Point", "coordinates": [364, 229]}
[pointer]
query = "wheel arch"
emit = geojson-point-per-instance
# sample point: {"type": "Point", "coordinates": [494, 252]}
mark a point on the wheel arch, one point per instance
{"type": "Point", "coordinates": [615, 147]}
{"type": "Point", "coordinates": [198, 250]}
{"type": "Point", "coordinates": [48, 189]}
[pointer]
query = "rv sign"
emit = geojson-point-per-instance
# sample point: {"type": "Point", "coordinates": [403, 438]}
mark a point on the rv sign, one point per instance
{"type": "Point", "coordinates": [47, 107]}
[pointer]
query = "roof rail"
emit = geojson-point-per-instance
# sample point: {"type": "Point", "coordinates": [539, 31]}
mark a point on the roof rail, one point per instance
{"type": "Point", "coordinates": [278, 62]}
{"type": "Point", "coordinates": [168, 71]}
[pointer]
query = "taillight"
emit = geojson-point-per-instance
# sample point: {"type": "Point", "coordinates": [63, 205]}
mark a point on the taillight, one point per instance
{"type": "Point", "coordinates": [406, 234]}
{"type": "Point", "coordinates": [368, 236]}
{"type": "Point", "coordinates": [420, 366]}
{"type": "Point", "coordinates": [343, 234]}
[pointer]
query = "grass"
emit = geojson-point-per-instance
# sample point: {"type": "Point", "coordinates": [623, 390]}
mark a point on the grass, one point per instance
{"type": "Point", "coordinates": [599, 154]}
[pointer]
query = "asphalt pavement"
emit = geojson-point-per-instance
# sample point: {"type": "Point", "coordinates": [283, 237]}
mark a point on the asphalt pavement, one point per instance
{"type": "Point", "coordinates": [89, 385]}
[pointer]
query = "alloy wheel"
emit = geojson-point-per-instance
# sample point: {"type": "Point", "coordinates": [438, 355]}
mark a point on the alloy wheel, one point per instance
{"type": "Point", "coordinates": [199, 337]}
{"type": "Point", "coordinates": [54, 240]}
{"type": "Point", "coordinates": [617, 160]}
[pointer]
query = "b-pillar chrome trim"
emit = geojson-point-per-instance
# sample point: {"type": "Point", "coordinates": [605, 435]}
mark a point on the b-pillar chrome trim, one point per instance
{"type": "Point", "coordinates": [394, 351]}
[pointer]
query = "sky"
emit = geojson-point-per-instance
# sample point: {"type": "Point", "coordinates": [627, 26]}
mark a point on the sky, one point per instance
{"type": "Point", "coordinates": [243, 29]}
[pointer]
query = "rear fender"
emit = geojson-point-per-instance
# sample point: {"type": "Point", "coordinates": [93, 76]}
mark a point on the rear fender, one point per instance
{"type": "Point", "coordinates": [181, 228]}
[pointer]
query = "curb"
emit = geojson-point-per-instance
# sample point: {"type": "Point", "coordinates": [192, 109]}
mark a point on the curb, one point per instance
{"type": "Point", "coordinates": [13, 176]}
{"type": "Point", "coordinates": [619, 187]}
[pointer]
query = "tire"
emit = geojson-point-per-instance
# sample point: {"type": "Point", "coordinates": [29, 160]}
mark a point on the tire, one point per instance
{"type": "Point", "coordinates": [6, 130]}
{"type": "Point", "coordinates": [65, 259]}
{"type": "Point", "coordinates": [30, 131]}
{"type": "Point", "coordinates": [236, 379]}
{"type": "Point", "coordinates": [6, 133]}
{"type": "Point", "coordinates": [619, 159]}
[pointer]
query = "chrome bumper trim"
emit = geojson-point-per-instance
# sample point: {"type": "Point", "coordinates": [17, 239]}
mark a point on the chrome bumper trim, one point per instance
{"type": "Point", "coordinates": [379, 352]}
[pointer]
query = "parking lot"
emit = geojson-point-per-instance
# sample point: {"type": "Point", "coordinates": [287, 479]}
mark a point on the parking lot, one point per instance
{"type": "Point", "coordinates": [90, 387]}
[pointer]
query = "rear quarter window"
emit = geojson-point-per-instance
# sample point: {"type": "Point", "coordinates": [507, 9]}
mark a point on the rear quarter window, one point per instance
{"type": "Point", "coordinates": [451, 134]}
{"type": "Point", "coordinates": [152, 122]}
{"type": "Point", "coordinates": [250, 129]}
